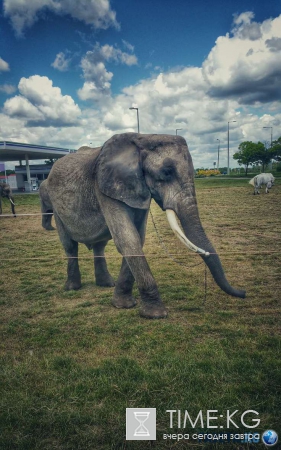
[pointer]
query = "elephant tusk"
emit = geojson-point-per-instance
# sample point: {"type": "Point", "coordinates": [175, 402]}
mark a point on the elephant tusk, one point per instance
{"type": "Point", "coordinates": [172, 219]}
{"type": "Point", "coordinates": [12, 201]}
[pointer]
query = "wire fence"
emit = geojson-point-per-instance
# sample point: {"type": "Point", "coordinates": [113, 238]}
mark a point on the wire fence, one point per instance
{"type": "Point", "coordinates": [169, 254]}
{"type": "Point", "coordinates": [175, 257]}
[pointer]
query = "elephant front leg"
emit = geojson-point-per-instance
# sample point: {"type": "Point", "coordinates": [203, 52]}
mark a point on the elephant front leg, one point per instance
{"type": "Point", "coordinates": [120, 221]}
{"type": "Point", "coordinates": [123, 295]}
{"type": "Point", "coordinates": [152, 306]}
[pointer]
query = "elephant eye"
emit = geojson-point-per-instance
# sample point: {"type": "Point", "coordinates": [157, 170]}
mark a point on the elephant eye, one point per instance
{"type": "Point", "coordinates": [166, 173]}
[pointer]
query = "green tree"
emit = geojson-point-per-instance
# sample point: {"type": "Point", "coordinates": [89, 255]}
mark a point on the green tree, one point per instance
{"type": "Point", "coordinates": [247, 153]}
{"type": "Point", "coordinates": [263, 155]}
{"type": "Point", "coordinates": [276, 149]}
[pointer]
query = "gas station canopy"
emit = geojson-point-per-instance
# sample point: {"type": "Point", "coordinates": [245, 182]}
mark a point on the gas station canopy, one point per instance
{"type": "Point", "coordinates": [15, 151]}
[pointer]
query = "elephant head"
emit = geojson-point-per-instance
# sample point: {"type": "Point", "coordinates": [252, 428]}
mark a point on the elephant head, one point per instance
{"type": "Point", "coordinates": [133, 168]}
{"type": "Point", "coordinates": [6, 192]}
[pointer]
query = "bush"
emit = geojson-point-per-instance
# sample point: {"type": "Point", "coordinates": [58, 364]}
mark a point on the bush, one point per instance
{"type": "Point", "coordinates": [208, 173]}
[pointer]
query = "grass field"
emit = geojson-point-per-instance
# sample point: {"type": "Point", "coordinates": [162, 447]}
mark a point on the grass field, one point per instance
{"type": "Point", "coordinates": [71, 364]}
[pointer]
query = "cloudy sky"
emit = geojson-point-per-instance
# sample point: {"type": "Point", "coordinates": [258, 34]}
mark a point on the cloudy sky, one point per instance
{"type": "Point", "coordinates": [71, 69]}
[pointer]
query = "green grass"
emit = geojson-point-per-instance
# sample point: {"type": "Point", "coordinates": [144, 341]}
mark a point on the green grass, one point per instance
{"type": "Point", "coordinates": [228, 181]}
{"type": "Point", "coordinates": [70, 364]}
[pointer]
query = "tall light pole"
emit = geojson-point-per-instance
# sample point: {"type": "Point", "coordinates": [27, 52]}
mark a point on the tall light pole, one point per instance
{"type": "Point", "coordinates": [228, 144]}
{"type": "Point", "coordinates": [270, 165]}
{"type": "Point", "coordinates": [178, 129]}
{"type": "Point", "coordinates": [218, 166]}
{"type": "Point", "coordinates": [270, 135]}
{"type": "Point", "coordinates": [137, 109]}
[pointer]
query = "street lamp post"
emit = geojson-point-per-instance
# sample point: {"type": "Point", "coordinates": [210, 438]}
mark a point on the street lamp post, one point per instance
{"type": "Point", "coordinates": [177, 129]}
{"type": "Point", "coordinates": [271, 128]}
{"type": "Point", "coordinates": [270, 135]}
{"type": "Point", "coordinates": [137, 109]}
{"type": "Point", "coordinates": [228, 144]}
{"type": "Point", "coordinates": [218, 166]}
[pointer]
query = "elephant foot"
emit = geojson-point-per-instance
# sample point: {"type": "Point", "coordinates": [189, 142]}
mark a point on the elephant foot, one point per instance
{"type": "Point", "coordinates": [155, 310]}
{"type": "Point", "coordinates": [105, 281]}
{"type": "Point", "coordinates": [72, 285]}
{"type": "Point", "coordinates": [50, 228]}
{"type": "Point", "coordinates": [125, 301]}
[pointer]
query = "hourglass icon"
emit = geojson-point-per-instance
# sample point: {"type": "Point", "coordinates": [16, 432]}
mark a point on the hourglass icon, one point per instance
{"type": "Point", "coordinates": [141, 417]}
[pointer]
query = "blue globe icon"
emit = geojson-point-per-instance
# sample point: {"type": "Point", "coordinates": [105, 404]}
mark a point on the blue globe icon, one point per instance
{"type": "Point", "coordinates": [270, 438]}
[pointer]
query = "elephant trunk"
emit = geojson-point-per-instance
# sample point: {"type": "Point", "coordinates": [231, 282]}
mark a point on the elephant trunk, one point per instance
{"type": "Point", "coordinates": [195, 238]}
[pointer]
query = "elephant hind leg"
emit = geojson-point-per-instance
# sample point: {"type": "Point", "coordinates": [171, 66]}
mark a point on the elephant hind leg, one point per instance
{"type": "Point", "coordinates": [47, 220]}
{"type": "Point", "coordinates": [73, 281]}
{"type": "Point", "coordinates": [103, 277]}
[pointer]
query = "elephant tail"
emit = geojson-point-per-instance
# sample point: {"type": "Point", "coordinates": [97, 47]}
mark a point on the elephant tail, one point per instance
{"type": "Point", "coordinates": [46, 207]}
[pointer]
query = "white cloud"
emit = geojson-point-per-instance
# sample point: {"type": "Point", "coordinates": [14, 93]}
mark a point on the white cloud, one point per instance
{"type": "Point", "coordinates": [42, 103]}
{"type": "Point", "coordinates": [20, 107]}
{"type": "Point", "coordinates": [148, 65]}
{"type": "Point", "coordinates": [245, 27]}
{"type": "Point", "coordinates": [24, 13]}
{"type": "Point", "coordinates": [201, 100]}
{"type": "Point", "coordinates": [90, 91]}
{"type": "Point", "coordinates": [61, 62]}
{"type": "Point", "coordinates": [274, 44]}
{"type": "Point", "coordinates": [247, 65]}
{"type": "Point", "coordinates": [95, 71]}
{"type": "Point", "coordinates": [4, 66]}
{"type": "Point", "coordinates": [97, 77]}
{"type": "Point", "coordinates": [7, 88]}
{"type": "Point", "coordinates": [129, 46]}
{"type": "Point", "coordinates": [110, 53]}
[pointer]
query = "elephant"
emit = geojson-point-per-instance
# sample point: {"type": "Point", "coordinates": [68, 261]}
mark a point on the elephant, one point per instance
{"type": "Point", "coordinates": [106, 193]}
{"type": "Point", "coordinates": [6, 192]}
{"type": "Point", "coordinates": [86, 149]}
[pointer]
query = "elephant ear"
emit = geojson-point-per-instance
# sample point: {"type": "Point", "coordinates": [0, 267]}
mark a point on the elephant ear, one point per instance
{"type": "Point", "coordinates": [119, 172]}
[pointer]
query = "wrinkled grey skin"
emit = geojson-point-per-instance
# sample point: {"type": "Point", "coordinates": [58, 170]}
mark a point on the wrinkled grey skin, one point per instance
{"type": "Point", "coordinates": [46, 206]}
{"type": "Point", "coordinates": [6, 192]}
{"type": "Point", "coordinates": [105, 193]}
{"type": "Point", "coordinates": [86, 149]}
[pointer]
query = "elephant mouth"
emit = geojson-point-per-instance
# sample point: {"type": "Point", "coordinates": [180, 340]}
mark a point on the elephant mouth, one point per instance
{"type": "Point", "coordinates": [159, 202]}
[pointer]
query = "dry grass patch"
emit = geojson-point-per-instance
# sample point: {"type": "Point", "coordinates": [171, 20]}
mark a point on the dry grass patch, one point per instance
{"type": "Point", "coordinates": [71, 363]}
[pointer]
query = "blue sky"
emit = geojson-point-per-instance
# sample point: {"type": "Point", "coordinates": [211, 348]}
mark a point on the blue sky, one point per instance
{"type": "Point", "coordinates": [70, 70]}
